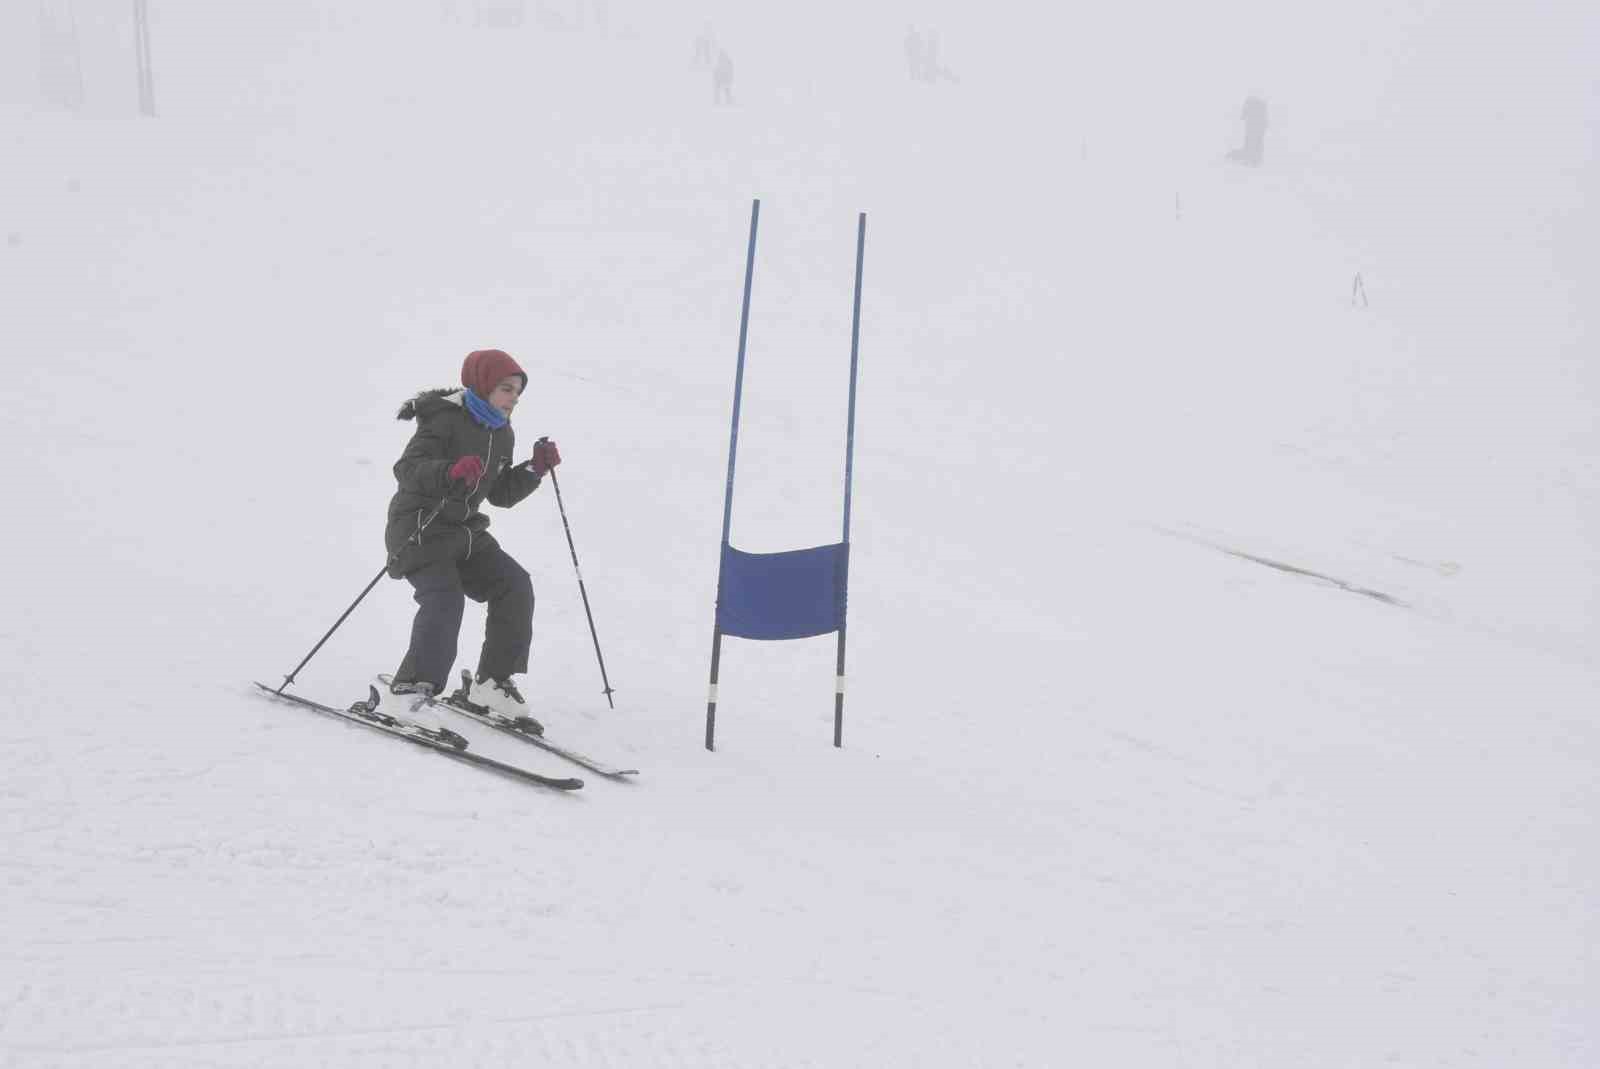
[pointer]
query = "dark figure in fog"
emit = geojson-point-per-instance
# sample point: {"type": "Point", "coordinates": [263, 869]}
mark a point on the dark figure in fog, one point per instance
{"type": "Point", "coordinates": [914, 55]}
{"type": "Point", "coordinates": [705, 47]}
{"type": "Point", "coordinates": [722, 79]}
{"type": "Point", "coordinates": [1254, 114]}
{"type": "Point", "coordinates": [922, 56]}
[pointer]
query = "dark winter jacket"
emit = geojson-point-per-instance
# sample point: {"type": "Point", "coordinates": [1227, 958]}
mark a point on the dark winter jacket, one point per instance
{"type": "Point", "coordinates": [446, 432]}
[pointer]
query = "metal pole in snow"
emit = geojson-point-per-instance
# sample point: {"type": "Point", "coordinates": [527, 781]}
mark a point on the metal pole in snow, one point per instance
{"type": "Point", "coordinates": [583, 588]}
{"type": "Point", "coordinates": [849, 471]}
{"type": "Point", "coordinates": [733, 452]}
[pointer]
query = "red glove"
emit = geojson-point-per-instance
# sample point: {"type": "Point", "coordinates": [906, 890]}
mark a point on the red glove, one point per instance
{"type": "Point", "coordinates": [468, 469]}
{"type": "Point", "coordinates": [545, 457]}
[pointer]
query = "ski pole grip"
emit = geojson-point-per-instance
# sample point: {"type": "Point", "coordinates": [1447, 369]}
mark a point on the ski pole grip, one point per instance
{"type": "Point", "coordinates": [416, 536]}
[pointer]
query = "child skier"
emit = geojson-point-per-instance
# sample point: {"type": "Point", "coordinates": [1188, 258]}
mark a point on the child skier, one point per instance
{"type": "Point", "coordinates": [461, 455]}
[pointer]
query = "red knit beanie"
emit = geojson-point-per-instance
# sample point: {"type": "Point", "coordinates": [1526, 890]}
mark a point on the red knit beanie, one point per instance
{"type": "Point", "coordinates": [483, 369]}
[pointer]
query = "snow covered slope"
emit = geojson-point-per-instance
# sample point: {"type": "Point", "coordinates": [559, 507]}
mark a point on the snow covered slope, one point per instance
{"type": "Point", "coordinates": [1134, 774]}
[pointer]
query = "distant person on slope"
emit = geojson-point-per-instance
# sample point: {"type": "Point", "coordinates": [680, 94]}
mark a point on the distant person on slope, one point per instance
{"type": "Point", "coordinates": [1254, 114]}
{"type": "Point", "coordinates": [914, 56]}
{"type": "Point", "coordinates": [461, 454]}
{"type": "Point", "coordinates": [703, 46]}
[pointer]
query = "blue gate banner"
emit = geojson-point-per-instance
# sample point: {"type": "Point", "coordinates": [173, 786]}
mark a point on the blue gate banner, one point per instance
{"type": "Point", "coordinates": [770, 596]}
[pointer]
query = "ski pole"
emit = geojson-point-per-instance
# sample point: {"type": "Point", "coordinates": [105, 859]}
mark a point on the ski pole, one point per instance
{"type": "Point", "coordinates": [582, 589]}
{"type": "Point", "coordinates": [416, 536]}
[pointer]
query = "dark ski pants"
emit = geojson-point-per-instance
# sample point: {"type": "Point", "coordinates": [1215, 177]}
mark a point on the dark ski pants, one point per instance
{"type": "Point", "coordinates": [488, 575]}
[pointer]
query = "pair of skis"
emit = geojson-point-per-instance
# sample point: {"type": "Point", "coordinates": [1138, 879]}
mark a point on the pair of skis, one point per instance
{"type": "Point", "coordinates": [523, 728]}
{"type": "Point", "coordinates": [452, 745]}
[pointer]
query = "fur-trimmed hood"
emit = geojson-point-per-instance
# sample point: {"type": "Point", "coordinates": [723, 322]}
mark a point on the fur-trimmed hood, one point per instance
{"type": "Point", "coordinates": [429, 401]}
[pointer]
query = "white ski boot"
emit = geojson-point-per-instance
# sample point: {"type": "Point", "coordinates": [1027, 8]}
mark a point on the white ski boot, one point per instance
{"type": "Point", "coordinates": [409, 701]}
{"type": "Point", "coordinates": [499, 698]}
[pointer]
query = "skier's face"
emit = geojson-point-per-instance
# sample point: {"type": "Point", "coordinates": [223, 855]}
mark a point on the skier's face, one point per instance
{"type": "Point", "coordinates": [506, 393]}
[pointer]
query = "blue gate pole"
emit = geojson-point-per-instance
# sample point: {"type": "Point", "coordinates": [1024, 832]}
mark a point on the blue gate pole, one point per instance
{"type": "Point", "coordinates": [733, 453]}
{"type": "Point", "coordinates": [849, 471]}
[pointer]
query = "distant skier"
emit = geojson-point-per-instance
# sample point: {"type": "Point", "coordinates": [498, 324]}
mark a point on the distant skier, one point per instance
{"type": "Point", "coordinates": [461, 454]}
{"type": "Point", "coordinates": [722, 79]}
{"type": "Point", "coordinates": [1254, 114]}
{"type": "Point", "coordinates": [914, 56]}
{"type": "Point", "coordinates": [922, 57]}
{"type": "Point", "coordinates": [704, 47]}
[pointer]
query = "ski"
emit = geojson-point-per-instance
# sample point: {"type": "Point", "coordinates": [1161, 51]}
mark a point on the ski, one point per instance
{"type": "Point", "coordinates": [449, 743]}
{"type": "Point", "coordinates": [456, 702]}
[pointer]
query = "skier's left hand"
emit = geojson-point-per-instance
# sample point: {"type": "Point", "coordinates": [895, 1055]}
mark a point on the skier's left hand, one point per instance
{"type": "Point", "coordinates": [545, 457]}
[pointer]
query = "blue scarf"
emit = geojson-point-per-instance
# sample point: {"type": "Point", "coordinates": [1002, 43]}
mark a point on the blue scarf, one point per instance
{"type": "Point", "coordinates": [483, 411]}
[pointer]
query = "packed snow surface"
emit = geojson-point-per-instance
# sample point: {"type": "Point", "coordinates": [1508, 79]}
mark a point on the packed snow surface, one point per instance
{"type": "Point", "coordinates": [1223, 619]}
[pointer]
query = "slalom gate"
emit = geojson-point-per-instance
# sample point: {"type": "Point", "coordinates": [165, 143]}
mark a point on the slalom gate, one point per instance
{"type": "Point", "coordinates": [801, 593]}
